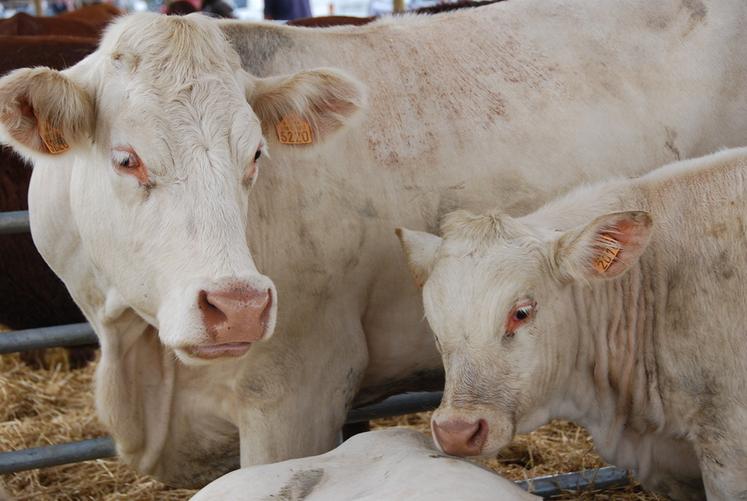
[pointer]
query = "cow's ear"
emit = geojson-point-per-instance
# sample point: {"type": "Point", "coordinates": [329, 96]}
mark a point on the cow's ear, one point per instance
{"type": "Point", "coordinates": [305, 108]}
{"type": "Point", "coordinates": [605, 248]}
{"type": "Point", "coordinates": [43, 112]}
{"type": "Point", "coordinates": [420, 251]}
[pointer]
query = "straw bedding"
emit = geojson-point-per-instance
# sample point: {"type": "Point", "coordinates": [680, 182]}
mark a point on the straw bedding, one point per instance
{"type": "Point", "coordinates": [47, 406]}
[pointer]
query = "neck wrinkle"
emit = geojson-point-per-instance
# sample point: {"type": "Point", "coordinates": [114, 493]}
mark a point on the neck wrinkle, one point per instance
{"type": "Point", "coordinates": [614, 383]}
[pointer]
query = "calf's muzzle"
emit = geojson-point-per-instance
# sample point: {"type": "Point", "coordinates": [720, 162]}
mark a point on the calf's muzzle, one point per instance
{"type": "Point", "coordinates": [461, 438]}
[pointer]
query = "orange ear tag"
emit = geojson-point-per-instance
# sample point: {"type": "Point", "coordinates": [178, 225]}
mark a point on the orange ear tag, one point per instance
{"type": "Point", "coordinates": [52, 138]}
{"type": "Point", "coordinates": [608, 256]}
{"type": "Point", "coordinates": [294, 130]}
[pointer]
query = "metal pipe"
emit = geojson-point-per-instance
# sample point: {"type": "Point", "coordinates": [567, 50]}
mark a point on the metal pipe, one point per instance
{"type": "Point", "coordinates": [47, 337]}
{"type": "Point", "coordinates": [41, 457]}
{"type": "Point", "coordinates": [407, 403]}
{"type": "Point", "coordinates": [14, 222]}
{"type": "Point", "coordinates": [97, 448]}
{"type": "Point", "coordinates": [599, 478]}
{"type": "Point", "coordinates": [53, 455]}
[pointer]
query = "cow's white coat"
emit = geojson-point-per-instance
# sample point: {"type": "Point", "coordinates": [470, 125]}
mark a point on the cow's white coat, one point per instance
{"type": "Point", "coordinates": [384, 465]}
{"type": "Point", "coordinates": [503, 105]}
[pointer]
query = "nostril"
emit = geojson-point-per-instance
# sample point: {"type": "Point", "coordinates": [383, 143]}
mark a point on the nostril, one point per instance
{"type": "Point", "coordinates": [477, 440]}
{"type": "Point", "coordinates": [211, 313]}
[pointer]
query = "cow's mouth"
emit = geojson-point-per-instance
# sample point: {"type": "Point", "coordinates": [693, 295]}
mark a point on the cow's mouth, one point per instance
{"type": "Point", "coordinates": [210, 351]}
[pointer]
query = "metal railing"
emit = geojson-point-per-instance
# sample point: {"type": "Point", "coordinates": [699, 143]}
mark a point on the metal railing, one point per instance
{"type": "Point", "coordinates": [104, 447]}
{"type": "Point", "coordinates": [14, 222]}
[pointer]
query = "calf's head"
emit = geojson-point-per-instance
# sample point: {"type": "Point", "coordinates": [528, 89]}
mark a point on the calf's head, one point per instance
{"type": "Point", "coordinates": [498, 295]}
{"type": "Point", "coordinates": [162, 132]}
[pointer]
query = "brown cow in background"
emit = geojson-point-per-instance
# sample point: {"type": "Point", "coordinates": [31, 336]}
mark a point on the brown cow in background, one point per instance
{"type": "Point", "coordinates": [33, 295]}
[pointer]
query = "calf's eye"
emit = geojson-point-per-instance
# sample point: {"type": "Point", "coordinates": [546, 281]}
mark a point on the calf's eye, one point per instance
{"type": "Point", "coordinates": [523, 312]}
{"type": "Point", "coordinates": [518, 315]}
{"type": "Point", "coordinates": [257, 155]}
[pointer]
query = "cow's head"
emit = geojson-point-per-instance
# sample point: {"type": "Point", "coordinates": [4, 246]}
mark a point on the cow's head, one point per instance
{"type": "Point", "coordinates": [162, 131]}
{"type": "Point", "coordinates": [498, 295]}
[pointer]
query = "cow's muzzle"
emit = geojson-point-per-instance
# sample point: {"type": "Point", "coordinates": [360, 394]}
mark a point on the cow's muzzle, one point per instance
{"type": "Point", "coordinates": [234, 317]}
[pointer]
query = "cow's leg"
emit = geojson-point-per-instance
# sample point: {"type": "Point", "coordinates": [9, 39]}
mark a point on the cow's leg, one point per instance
{"type": "Point", "coordinates": [674, 470]}
{"type": "Point", "coordinates": [722, 452]}
{"type": "Point", "coordinates": [299, 386]}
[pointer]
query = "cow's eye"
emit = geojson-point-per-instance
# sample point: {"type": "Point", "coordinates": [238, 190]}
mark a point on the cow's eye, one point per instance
{"type": "Point", "coordinates": [518, 315]}
{"type": "Point", "coordinates": [257, 155]}
{"type": "Point", "coordinates": [125, 159]}
{"type": "Point", "coordinates": [523, 313]}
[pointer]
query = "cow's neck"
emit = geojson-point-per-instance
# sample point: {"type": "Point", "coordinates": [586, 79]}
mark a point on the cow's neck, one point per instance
{"type": "Point", "coordinates": [613, 385]}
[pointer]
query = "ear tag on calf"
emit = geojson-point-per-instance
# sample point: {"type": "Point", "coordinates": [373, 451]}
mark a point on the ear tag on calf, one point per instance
{"type": "Point", "coordinates": [294, 130]}
{"type": "Point", "coordinates": [52, 138]}
{"type": "Point", "coordinates": [608, 255]}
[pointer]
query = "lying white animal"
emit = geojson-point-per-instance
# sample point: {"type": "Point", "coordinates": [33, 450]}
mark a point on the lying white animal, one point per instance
{"type": "Point", "coordinates": [391, 464]}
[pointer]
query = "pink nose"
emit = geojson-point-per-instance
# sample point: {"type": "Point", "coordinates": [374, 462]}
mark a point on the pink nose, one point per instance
{"type": "Point", "coordinates": [461, 438]}
{"type": "Point", "coordinates": [235, 315]}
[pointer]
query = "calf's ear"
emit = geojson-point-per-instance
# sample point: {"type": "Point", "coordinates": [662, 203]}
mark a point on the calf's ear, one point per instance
{"type": "Point", "coordinates": [306, 107]}
{"type": "Point", "coordinates": [43, 112]}
{"type": "Point", "coordinates": [605, 248]}
{"type": "Point", "coordinates": [420, 251]}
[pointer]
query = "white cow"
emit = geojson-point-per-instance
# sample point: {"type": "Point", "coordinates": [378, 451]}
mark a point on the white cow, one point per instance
{"type": "Point", "coordinates": [619, 306]}
{"type": "Point", "coordinates": [384, 465]}
{"type": "Point", "coordinates": [145, 217]}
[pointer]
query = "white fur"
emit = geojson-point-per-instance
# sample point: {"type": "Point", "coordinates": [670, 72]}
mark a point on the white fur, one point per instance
{"type": "Point", "coordinates": [503, 105]}
{"type": "Point", "coordinates": [651, 358]}
{"type": "Point", "coordinates": [380, 465]}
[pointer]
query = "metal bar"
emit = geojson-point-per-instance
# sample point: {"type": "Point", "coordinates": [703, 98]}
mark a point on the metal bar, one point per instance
{"type": "Point", "coordinates": [14, 222]}
{"type": "Point", "coordinates": [397, 405]}
{"type": "Point", "coordinates": [53, 455]}
{"type": "Point", "coordinates": [47, 337]}
{"type": "Point", "coordinates": [600, 478]}
{"type": "Point", "coordinates": [41, 457]}
{"type": "Point", "coordinates": [97, 448]}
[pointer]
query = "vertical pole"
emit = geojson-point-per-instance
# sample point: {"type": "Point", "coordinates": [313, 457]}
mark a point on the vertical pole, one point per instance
{"type": "Point", "coordinates": [398, 6]}
{"type": "Point", "coordinates": [38, 7]}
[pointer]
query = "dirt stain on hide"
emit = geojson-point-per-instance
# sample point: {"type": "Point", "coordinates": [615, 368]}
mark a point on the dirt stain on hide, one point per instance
{"type": "Point", "coordinates": [407, 120]}
{"type": "Point", "coordinates": [669, 143]}
{"type": "Point", "coordinates": [698, 12]}
{"type": "Point", "coordinates": [694, 10]}
{"type": "Point", "coordinates": [299, 486]}
{"type": "Point", "coordinates": [256, 45]}
{"type": "Point", "coordinates": [723, 267]}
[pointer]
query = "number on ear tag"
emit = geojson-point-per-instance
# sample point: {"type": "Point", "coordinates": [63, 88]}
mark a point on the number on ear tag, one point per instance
{"type": "Point", "coordinates": [608, 255]}
{"type": "Point", "coordinates": [294, 130]}
{"type": "Point", "coordinates": [52, 138]}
